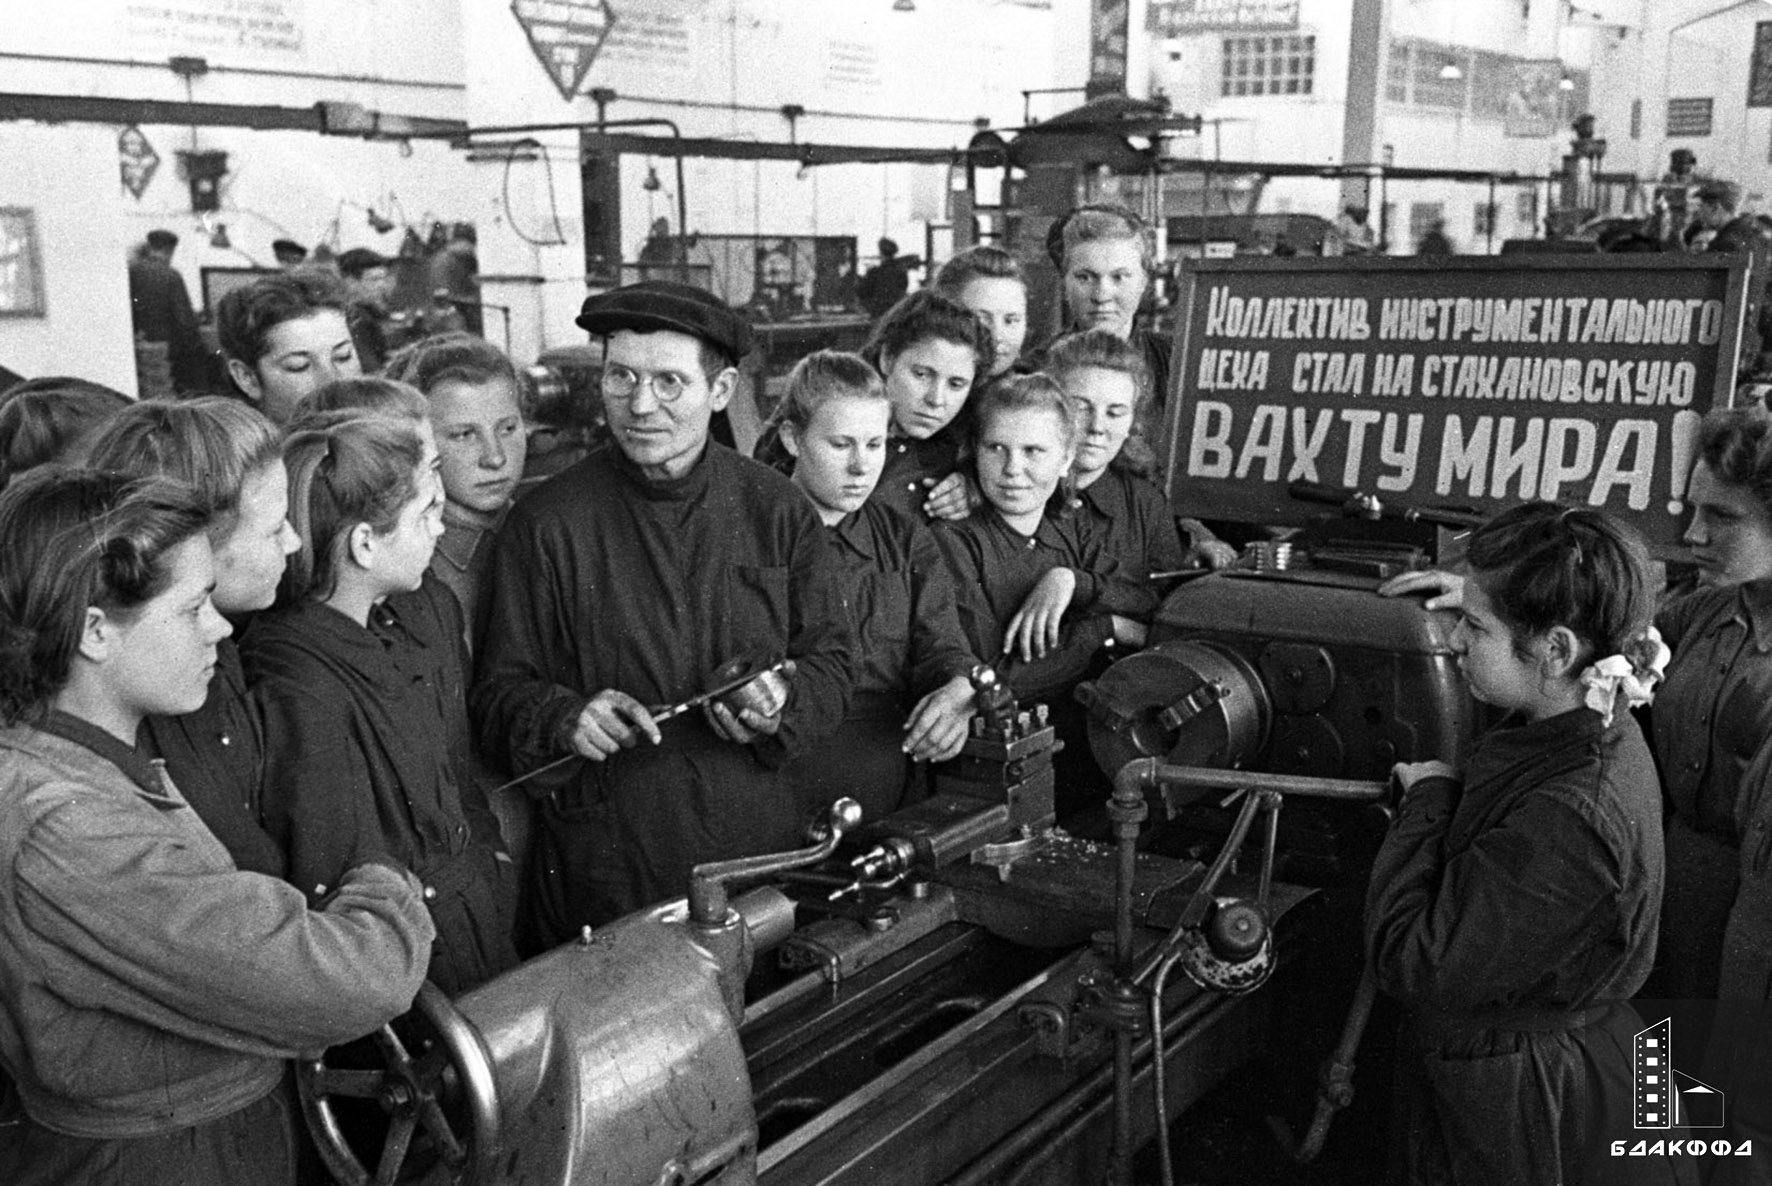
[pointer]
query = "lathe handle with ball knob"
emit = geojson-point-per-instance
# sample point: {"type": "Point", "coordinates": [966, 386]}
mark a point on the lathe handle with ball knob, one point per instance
{"type": "Point", "coordinates": [709, 884]}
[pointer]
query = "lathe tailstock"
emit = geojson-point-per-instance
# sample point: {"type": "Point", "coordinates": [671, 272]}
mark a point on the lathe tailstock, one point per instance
{"type": "Point", "coordinates": [963, 992]}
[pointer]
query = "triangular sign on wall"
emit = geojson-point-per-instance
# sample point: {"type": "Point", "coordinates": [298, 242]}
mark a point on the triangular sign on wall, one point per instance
{"type": "Point", "coordinates": [565, 35]}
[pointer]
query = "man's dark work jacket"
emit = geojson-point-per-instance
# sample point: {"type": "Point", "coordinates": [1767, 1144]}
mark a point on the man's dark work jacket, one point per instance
{"type": "Point", "coordinates": [606, 579]}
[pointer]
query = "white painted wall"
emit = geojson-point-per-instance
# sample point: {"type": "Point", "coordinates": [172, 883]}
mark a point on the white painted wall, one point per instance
{"type": "Point", "coordinates": [1700, 48]}
{"type": "Point", "coordinates": [864, 71]}
{"type": "Point", "coordinates": [57, 172]}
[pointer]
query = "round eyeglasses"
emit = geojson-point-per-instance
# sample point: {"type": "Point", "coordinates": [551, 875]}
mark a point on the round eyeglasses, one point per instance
{"type": "Point", "coordinates": [621, 382]}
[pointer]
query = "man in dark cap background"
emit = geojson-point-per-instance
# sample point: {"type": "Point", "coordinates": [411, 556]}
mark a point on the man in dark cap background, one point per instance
{"type": "Point", "coordinates": [887, 281]}
{"type": "Point", "coordinates": [619, 586]}
{"type": "Point", "coordinates": [1719, 226]}
{"type": "Point", "coordinates": [369, 277]}
{"type": "Point", "coordinates": [160, 306]}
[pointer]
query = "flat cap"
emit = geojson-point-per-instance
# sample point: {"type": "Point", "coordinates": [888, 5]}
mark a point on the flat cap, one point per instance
{"type": "Point", "coordinates": [1724, 193]}
{"type": "Point", "coordinates": [666, 304]}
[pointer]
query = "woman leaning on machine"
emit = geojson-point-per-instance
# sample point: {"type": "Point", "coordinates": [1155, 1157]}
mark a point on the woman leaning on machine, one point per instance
{"type": "Point", "coordinates": [150, 990]}
{"type": "Point", "coordinates": [1712, 722]}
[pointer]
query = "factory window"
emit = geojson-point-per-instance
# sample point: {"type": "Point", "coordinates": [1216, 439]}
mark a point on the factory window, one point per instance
{"type": "Point", "coordinates": [1483, 85]}
{"type": "Point", "coordinates": [1440, 78]}
{"type": "Point", "coordinates": [1284, 65]}
{"type": "Point", "coordinates": [1526, 207]}
{"type": "Point", "coordinates": [1483, 219]}
{"type": "Point", "coordinates": [1396, 73]}
{"type": "Point", "coordinates": [1423, 217]}
{"type": "Point", "coordinates": [1636, 119]}
{"type": "Point", "coordinates": [1493, 80]}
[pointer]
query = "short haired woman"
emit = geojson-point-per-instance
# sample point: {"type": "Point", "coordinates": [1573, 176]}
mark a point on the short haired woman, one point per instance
{"type": "Point", "coordinates": [284, 335]}
{"type": "Point", "coordinates": [231, 459]}
{"type": "Point", "coordinates": [364, 708]}
{"type": "Point", "coordinates": [150, 991]}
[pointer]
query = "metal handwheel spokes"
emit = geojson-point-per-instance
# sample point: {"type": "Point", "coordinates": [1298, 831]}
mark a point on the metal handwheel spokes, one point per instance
{"type": "Point", "coordinates": [433, 1090]}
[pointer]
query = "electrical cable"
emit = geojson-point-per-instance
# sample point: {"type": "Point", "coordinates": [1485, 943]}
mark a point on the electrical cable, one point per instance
{"type": "Point", "coordinates": [559, 239]}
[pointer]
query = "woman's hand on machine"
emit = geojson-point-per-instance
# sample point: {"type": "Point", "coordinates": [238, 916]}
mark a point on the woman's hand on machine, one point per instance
{"type": "Point", "coordinates": [1213, 553]}
{"type": "Point", "coordinates": [937, 726]}
{"type": "Point", "coordinates": [609, 722]}
{"type": "Point", "coordinates": [1408, 775]}
{"type": "Point", "coordinates": [1445, 589]}
{"type": "Point", "coordinates": [1034, 629]}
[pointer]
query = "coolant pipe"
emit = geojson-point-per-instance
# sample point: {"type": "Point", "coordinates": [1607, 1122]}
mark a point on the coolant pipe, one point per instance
{"type": "Point", "coordinates": [1149, 772]}
{"type": "Point", "coordinates": [1127, 811]}
{"type": "Point", "coordinates": [1160, 1075]}
{"type": "Point", "coordinates": [1140, 774]}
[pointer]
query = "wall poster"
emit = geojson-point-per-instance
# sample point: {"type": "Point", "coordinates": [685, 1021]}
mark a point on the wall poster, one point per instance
{"type": "Point", "coordinates": [1471, 382]}
{"type": "Point", "coordinates": [21, 265]}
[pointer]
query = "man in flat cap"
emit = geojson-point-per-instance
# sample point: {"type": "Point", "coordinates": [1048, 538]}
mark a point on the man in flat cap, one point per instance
{"type": "Point", "coordinates": [618, 587]}
{"type": "Point", "coordinates": [369, 278]}
{"type": "Point", "coordinates": [161, 307]}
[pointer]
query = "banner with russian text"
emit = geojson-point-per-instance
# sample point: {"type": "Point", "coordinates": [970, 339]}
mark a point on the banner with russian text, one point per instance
{"type": "Point", "coordinates": [1471, 382]}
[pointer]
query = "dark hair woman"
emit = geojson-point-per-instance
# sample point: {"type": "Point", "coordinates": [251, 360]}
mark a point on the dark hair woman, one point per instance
{"type": "Point", "coordinates": [363, 692]}
{"type": "Point", "coordinates": [912, 701]}
{"type": "Point", "coordinates": [933, 353]}
{"type": "Point", "coordinates": [149, 990]}
{"type": "Point", "coordinates": [1512, 909]}
{"type": "Point", "coordinates": [1108, 382]}
{"type": "Point", "coordinates": [284, 335]}
{"type": "Point", "coordinates": [231, 459]}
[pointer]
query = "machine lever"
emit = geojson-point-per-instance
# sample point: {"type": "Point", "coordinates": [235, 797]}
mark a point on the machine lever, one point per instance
{"type": "Point", "coordinates": [708, 884]}
{"type": "Point", "coordinates": [1335, 1087]}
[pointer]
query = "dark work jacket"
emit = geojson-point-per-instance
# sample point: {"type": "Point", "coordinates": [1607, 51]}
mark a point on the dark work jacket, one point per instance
{"type": "Point", "coordinates": [1511, 919]}
{"type": "Point", "coordinates": [995, 567]}
{"type": "Point", "coordinates": [1135, 520]}
{"type": "Point", "coordinates": [216, 755]}
{"type": "Point", "coordinates": [367, 737]}
{"type": "Point", "coordinates": [913, 467]}
{"type": "Point", "coordinates": [1711, 717]}
{"type": "Point", "coordinates": [900, 598]}
{"type": "Point", "coordinates": [161, 307]}
{"type": "Point", "coordinates": [603, 578]}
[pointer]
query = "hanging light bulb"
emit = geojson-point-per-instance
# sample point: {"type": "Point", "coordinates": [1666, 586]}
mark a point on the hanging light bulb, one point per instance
{"type": "Point", "coordinates": [1450, 72]}
{"type": "Point", "coordinates": [652, 184]}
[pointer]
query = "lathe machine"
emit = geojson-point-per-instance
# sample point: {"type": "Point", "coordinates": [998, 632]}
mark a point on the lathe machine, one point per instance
{"type": "Point", "coordinates": [962, 992]}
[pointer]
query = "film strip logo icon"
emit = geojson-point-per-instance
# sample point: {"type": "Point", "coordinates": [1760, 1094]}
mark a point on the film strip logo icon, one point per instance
{"type": "Point", "coordinates": [1662, 1096]}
